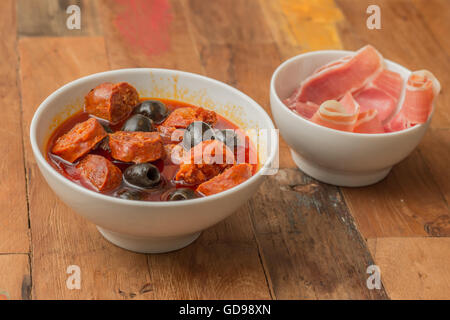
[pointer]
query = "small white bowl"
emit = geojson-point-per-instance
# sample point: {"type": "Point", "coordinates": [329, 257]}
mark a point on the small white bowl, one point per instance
{"type": "Point", "coordinates": [328, 155]}
{"type": "Point", "coordinates": [151, 227]}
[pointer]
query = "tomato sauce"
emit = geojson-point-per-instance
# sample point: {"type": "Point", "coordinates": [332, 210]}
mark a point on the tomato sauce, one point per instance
{"type": "Point", "coordinates": [167, 168]}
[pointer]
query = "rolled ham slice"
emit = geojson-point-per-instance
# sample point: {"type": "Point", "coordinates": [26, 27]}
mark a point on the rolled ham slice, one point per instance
{"type": "Point", "coordinates": [335, 115]}
{"type": "Point", "coordinates": [337, 78]}
{"type": "Point", "coordinates": [382, 93]}
{"type": "Point", "coordinates": [421, 89]}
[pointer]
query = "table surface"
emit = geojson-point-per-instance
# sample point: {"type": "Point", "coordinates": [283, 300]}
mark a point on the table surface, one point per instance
{"type": "Point", "coordinates": [296, 238]}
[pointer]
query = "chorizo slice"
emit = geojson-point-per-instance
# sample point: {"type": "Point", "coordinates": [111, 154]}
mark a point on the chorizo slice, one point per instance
{"type": "Point", "coordinates": [183, 117]}
{"type": "Point", "coordinates": [101, 173]}
{"type": "Point", "coordinates": [204, 161]}
{"type": "Point", "coordinates": [112, 102]}
{"type": "Point", "coordinates": [137, 147]}
{"type": "Point", "coordinates": [79, 140]}
{"type": "Point", "coordinates": [228, 179]}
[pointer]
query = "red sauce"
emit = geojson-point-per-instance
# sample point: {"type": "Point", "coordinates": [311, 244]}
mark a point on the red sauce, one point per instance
{"type": "Point", "coordinates": [167, 168]}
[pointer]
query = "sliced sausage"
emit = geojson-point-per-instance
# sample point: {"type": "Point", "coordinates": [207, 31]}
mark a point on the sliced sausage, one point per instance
{"type": "Point", "coordinates": [137, 147]}
{"type": "Point", "coordinates": [101, 173]}
{"type": "Point", "coordinates": [182, 117]}
{"type": "Point", "coordinates": [228, 179]}
{"type": "Point", "coordinates": [79, 140]}
{"type": "Point", "coordinates": [112, 102]}
{"type": "Point", "coordinates": [204, 161]}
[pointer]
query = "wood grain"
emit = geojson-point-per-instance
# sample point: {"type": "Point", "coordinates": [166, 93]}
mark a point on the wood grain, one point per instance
{"type": "Point", "coordinates": [409, 200]}
{"type": "Point", "coordinates": [15, 281]}
{"type": "Point", "coordinates": [48, 18]}
{"type": "Point", "coordinates": [309, 243]}
{"type": "Point", "coordinates": [60, 237]}
{"type": "Point", "coordinates": [406, 203]}
{"type": "Point", "coordinates": [413, 268]}
{"type": "Point", "coordinates": [14, 232]}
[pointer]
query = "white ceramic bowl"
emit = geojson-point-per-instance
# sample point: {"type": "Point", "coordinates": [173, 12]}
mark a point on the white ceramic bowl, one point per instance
{"type": "Point", "coordinates": [332, 156]}
{"type": "Point", "coordinates": [151, 227]}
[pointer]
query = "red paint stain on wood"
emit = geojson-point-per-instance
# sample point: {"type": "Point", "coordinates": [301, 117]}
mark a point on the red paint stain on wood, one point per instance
{"type": "Point", "coordinates": [144, 24]}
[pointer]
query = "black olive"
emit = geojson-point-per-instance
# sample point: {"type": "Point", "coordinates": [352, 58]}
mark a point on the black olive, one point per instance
{"type": "Point", "coordinates": [104, 144]}
{"type": "Point", "coordinates": [142, 175]}
{"type": "Point", "coordinates": [197, 132]}
{"type": "Point", "coordinates": [153, 109]}
{"type": "Point", "coordinates": [107, 128]}
{"type": "Point", "coordinates": [138, 122]}
{"type": "Point", "coordinates": [182, 194]}
{"type": "Point", "coordinates": [128, 194]}
{"type": "Point", "coordinates": [228, 137]}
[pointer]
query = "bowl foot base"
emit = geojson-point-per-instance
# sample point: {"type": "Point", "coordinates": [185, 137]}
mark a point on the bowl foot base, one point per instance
{"type": "Point", "coordinates": [148, 244]}
{"type": "Point", "coordinates": [336, 177]}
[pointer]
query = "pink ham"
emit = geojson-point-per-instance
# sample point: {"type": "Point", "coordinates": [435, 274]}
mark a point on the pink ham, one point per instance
{"type": "Point", "coordinates": [335, 115]}
{"type": "Point", "coordinates": [337, 78]}
{"type": "Point", "coordinates": [382, 94]}
{"type": "Point", "coordinates": [305, 109]}
{"type": "Point", "coordinates": [368, 122]}
{"type": "Point", "coordinates": [421, 89]}
{"type": "Point", "coordinates": [397, 123]}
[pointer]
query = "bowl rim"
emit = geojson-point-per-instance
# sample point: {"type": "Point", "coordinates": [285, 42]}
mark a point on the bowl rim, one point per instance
{"type": "Point", "coordinates": [117, 72]}
{"type": "Point", "coordinates": [287, 62]}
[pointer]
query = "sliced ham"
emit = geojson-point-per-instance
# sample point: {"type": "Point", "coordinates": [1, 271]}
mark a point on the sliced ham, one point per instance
{"type": "Point", "coordinates": [368, 122]}
{"type": "Point", "coordinates": [335, 115]}
{"type": "Point", "coordinates": [382, 94]}
{"type": "Point", "coordinates": [305, 109]}
{"type": "Point", "coordinates": [338, 78]}
{"type": "Point", "coordinates": [397, 123]}
{"type": "Point", "coordinates": [421, 89]}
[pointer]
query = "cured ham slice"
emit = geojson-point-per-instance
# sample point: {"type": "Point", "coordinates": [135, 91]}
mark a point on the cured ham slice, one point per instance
{"type": "Point", "coordinates": [335, 115]}
{"type": "Point", "coordinates": [397, 123]}
{"type": "Point", "coordinates": [305, 109]}
{"type": "Point", "coordinates": [338, 78]}
{"type": "Point", "coordinates": [421, 89]}
{"type": "Point", "coordinates": [382, 94]}
{"type": "Point", "coordinates": [368, 122]}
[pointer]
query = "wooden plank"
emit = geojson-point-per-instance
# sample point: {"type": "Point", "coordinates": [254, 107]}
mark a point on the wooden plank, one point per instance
{"type": "Point", "coordinates": [60, 237]}
{"type": "Point", "coordinates": [406, 203]}
{"type": "Point", "coordinates": [435, 149]}
{"type": "Point", "coordinates": [404, 38]}
{"type": "Point", "coordinates": [15, 280]}
{"type": "Point", "coordinates": [309, 243]}
{"type": "Point", "coordinates": [48, 18]}
{"type": "Point", "coordinates": [238, 53]}
{"type": "Point", "coordinates": [414, 268]}
{"type": "Point", "coordinates": [203, 270]}
{"type": "Point", "coordinates": [409, 201]}
{"type": "Point", "coordinates": [436, 14]}
{"type": "Point", "coordinates": [14, 232]}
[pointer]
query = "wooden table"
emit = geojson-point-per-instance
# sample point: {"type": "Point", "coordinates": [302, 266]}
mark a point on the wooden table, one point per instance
{"type": "Point", "coordinates": [297, 238]}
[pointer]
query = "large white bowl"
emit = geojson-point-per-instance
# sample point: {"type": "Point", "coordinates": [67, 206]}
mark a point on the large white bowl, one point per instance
{"type": "Point", "coordinates": [332, 156]}
{"type": "Point", "coordinates": [141, 226]}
